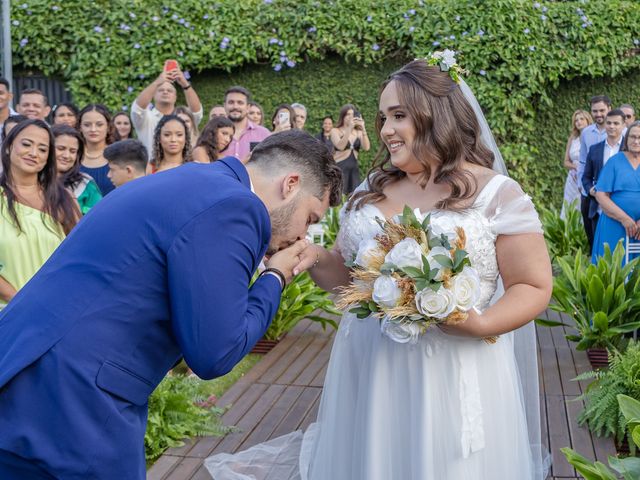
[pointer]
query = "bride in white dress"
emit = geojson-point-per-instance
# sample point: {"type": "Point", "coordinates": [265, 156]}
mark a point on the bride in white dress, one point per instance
{"type": "Point", "coordinates": [451, 406]}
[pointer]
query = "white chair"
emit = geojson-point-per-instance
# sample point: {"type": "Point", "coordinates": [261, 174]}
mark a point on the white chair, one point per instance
{"type": "Point", "coordinates": [630, 247]}
{"type": "Point", "coordinates": [315, 234]}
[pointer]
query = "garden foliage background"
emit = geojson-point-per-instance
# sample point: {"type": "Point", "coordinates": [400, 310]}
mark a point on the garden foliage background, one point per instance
{"type": "Point", "coordinates": [531, 63]}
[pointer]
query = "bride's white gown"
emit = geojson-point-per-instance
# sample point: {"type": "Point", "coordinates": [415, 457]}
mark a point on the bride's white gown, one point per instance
{"type": "Point", "coordinates": [446, 408]}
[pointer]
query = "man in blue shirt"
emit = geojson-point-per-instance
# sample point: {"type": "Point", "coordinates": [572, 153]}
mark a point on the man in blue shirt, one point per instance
{"type": "Point", "coordinates": [591, 135]}
{"type": "Point", "coordinates": [159, 270]}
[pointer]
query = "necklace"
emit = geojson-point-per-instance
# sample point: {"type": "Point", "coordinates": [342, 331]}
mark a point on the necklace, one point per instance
{"type": "Point", "coordinates": [89, 157]}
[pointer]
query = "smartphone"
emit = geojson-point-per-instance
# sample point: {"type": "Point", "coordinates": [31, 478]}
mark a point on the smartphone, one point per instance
{"type": "Point", "coordinates": [252, 145]}
{"type": "Point", "coordinates": [357, 114]}
{"type": "Point", "coordinates": [170, 65]}
{"type": "Point", "coordinates": [283, 118]}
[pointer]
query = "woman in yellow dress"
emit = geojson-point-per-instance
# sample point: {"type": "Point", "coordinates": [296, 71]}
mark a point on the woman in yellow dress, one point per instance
{"type": "Point", "coordinates": [36, 211]}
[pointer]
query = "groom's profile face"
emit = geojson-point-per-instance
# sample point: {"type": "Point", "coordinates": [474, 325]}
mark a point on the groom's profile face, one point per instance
{"type": "Point", "coordinates": [290, 221]}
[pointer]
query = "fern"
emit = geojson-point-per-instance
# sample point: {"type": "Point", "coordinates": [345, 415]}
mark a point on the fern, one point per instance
{"type": "Point", "coordinates": [602, 411]}
{"type": "Point", "coordinates": [178, 409]}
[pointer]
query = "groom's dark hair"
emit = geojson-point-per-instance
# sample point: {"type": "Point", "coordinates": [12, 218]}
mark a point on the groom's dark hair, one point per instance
{"type": "Point", "coordinates": [298, 150]}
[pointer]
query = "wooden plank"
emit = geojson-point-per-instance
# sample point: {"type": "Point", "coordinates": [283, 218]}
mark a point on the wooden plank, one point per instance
{"type": "Point", "coordinates": [264, 430]}
{"type": "Point", "coordinates": [162, 467]}
{"type": "Point", "coordinates": [248, 422]}
{"type": "Point", "coordinates": [298, 411]}
{"type": "Point", "coordinates": [185, 469]}
{"type": "Point", "coordinates": [603, 446]}
{"type": "Point", "coordinates": [551, 372]}
{"type": "Point", "coordinates": [302, 362]}
{"type": "Point", "coordinates": [294, 351]}
{"type": "Point", "coordinates": [558, 435]}
{"type": "Point", "coordinates": [544, 429]}
{"type": "Point", "coordinates": [320, 361]}
{"type": "Point", "coordinates": [581, 440]}
{"type": "Point", "coordinates": [557, 333]}
{"type": "Point", "coordinates": [201, 474]}
{"type": "Point", "coordinates": [567, 372]}
{"type": "Point", "coordinates": [205, 445]}
{"type": "Point", "coordinates": [311, 416]}
{"type": "Point", "coordinates": [318, 380]}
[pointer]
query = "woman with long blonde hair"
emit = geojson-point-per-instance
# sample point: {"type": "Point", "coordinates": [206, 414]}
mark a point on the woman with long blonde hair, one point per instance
{"type": "Point", "coordinates": [579, 120]}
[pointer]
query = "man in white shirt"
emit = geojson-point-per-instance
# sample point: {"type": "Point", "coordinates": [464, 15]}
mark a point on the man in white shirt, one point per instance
{"type": "Point", "coordinates": [145, 117]}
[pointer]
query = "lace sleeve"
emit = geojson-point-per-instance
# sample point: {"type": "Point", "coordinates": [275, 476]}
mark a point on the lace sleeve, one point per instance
{"type": "Point", "coordinates": [343, 244]}
{"type": "Point", "coordinates": [511, 211]}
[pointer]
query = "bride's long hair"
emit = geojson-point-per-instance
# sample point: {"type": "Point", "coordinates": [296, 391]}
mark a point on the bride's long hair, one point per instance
{"type": "Point", "coordinates": [447, 133]}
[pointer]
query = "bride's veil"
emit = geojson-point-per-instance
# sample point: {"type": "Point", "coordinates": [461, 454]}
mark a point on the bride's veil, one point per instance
{"type": "Point", "coordinates": [524, 339]}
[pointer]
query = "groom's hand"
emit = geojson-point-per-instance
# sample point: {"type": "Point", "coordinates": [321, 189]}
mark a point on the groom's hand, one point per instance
{"type": "Point", "coordinates": [288, 259]}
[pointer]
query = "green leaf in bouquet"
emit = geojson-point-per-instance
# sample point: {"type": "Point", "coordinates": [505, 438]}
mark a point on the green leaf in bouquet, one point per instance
{"type": "Point", "coordinates": [387, 268]}
{"type": "Point", "coordinates": [444, 260]}
{"type": "Point", "coordinates": [433, 273]}
{"type": "Point", "coordinates": [412, 272]}
{"type": "Point", "coordinates": [460, 259]}
{"type": "Point", "coordinates": [435, 286]}
{"type": "Point", "coordinates": [426, 223]}
{"type": "Point", "coordinates": [444, 241]}
{"type": "Point", "coordinates": [360, 312]}
{"type": "Point", "coordinates": [373, 306]}
{"type": "Point", "coordinates": [421, 284]}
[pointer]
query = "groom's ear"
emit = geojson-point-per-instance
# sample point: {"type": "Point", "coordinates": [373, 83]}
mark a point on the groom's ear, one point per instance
{"type": "Point", "coordinates": [290, 185]}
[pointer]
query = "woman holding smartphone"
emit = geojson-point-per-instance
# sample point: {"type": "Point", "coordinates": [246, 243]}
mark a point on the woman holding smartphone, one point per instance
{"type": "Point", "coordinates": [348, 138]}
{"type": "Point", "coordinates": [283, 118]}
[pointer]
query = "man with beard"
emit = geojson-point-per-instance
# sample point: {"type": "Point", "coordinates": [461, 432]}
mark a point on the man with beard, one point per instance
{"type": "Point", "coordinates": [247, 134]}
{"type": "Point", "coordinates": [590, 136]}
{"type": "Point", "coordinates": [145, 115]}
{"type": "Point", "coordinates": [157, 271]}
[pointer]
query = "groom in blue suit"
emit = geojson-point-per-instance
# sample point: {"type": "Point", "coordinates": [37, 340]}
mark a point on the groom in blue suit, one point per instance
{"type": "Point", "coordinates": [158, 270]}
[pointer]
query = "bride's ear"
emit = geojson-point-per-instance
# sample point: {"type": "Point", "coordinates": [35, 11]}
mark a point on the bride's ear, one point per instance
{"type": "Point", "coordinates": [289, 185]}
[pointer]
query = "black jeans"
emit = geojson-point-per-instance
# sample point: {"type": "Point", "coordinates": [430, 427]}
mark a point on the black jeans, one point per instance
{"type": "Point", "coordinates": [589, 225]}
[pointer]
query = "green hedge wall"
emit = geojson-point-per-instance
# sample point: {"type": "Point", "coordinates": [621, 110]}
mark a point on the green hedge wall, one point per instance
{"type": "Point", "coordinates": [517, 51]}
{"type": "Point", "coordinates": [323, 87]}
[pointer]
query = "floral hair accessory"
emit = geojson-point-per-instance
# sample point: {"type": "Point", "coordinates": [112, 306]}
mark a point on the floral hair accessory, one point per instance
{"type": "Point", "coordinates": [446, 60]}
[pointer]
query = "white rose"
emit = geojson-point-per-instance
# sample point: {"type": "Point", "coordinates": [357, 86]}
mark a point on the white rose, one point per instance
{"type": "Point", "coordinates": [435, 304]}
{"type": "Point", "coordinates": [446, 226]}
{"type": "Point", "coordinates": [406, 253]}
{"type": "Point", "coordinates": [466, 288]}
{"type": "Point", "coordinates": [433, 263]}
{"type": "Point", "coordinates": [367, 249]}
{"type": "Point", "coordinates": [401, 332]}
{"type": "Point", "coordinates": [386, 291]}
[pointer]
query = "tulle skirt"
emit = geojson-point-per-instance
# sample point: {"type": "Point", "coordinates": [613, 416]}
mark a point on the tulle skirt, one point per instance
{"type": "Point", "coordinates": [446, 408]}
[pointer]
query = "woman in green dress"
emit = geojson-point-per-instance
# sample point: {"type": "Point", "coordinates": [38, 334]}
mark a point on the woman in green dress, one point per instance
{"type": "Point", "coordinates": [36, 211]}
{"type": "Point", "coordinates": [69, 151]}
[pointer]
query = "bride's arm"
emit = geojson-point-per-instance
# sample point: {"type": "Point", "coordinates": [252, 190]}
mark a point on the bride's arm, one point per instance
{"type": "Point", "coordinates": [326, 267]}
{"type": "Point", "coordinates": [525, 269]}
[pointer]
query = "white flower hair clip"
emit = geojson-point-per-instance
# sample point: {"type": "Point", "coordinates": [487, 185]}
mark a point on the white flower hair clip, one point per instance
{"type": "Point", "coordinates": [446, 60]}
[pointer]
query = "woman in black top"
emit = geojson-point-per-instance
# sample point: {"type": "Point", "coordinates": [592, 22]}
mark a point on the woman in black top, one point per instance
{"type": "Point", "coordinates": [348, 138]}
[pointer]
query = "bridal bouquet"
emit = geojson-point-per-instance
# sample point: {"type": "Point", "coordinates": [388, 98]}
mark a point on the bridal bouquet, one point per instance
{"type": "Point", "coordinates": [411, 276]}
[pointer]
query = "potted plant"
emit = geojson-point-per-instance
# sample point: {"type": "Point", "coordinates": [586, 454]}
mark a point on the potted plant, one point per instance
{"type": "Point", "coordinates": [299, 300]}
{"type": "Point", "coordinates": [601, 411]}
{"type": "Point", "coordinates": [628, 467]}
{"type": "Point", "coordinates": [602, 300]}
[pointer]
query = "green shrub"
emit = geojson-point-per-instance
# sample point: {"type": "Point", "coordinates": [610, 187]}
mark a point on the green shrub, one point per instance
{"type": "Point", "coordinates": [565, 237]}
{"type": "Point", "coordinates": [518, 52]}
{"type": "Point", "coordinates": [602, 412]}
{"type": "Point", "coordinates": [628, 467]}
{"type": "Point", "coordinates": [602, 299]}
{"type": "Point", "coordinates": [180, 408]}
{"type": "Point", "coordinates": [299, 300]}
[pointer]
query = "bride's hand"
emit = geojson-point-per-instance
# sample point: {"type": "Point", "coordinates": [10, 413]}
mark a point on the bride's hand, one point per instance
{"type": "Point", "coordinates": [287, 259]}
{"type": "Point", "coordinates": [473, 326]}
{"type": "Point", "coordinates": [309, 257]}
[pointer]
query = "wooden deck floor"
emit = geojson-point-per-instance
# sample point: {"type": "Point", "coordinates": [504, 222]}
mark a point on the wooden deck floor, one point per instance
{"type": "Point", "coordinates": [281, 394]}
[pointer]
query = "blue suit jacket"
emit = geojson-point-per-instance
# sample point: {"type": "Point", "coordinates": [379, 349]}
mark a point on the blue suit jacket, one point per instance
{"type": "Point", "coordinates": [158, 270]}
{"type": "Point", "coordinates": [592, 168]}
